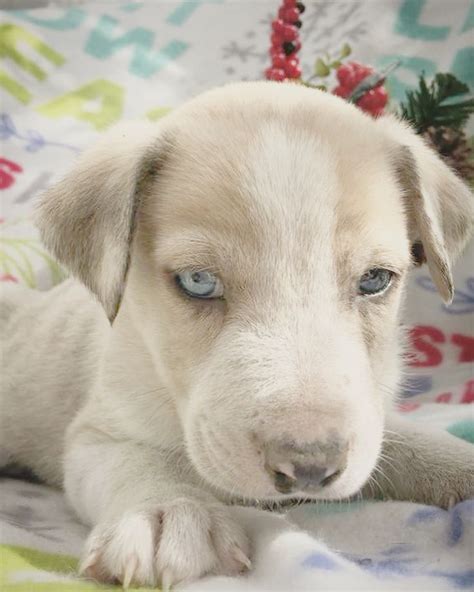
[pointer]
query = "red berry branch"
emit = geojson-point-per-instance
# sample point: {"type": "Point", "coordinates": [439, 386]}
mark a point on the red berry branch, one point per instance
{"type": "Point", "coordinates": [350, 76]}
{"type": "Point", "coordinates": [434, 109]}
{"type": "Point", "coordinates": [285, 42]}
{"type": "Point", "coordinates": [357, 83]}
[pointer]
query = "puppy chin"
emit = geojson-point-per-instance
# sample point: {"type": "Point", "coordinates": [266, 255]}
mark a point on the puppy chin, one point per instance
{"type": "Point", "coordinates": [247, 479]}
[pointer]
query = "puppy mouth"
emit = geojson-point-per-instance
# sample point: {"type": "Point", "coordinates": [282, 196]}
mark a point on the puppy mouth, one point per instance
{"type": "Point", "coordinates": [215, 461]}
{"type": "Point", "coordinates": [250, 477]}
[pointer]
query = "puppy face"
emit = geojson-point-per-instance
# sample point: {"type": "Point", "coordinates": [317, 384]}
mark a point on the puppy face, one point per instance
{"type": "Point", "coordinates": [270, 249]}
{"type": "Point", "coordinates": [287, 368]}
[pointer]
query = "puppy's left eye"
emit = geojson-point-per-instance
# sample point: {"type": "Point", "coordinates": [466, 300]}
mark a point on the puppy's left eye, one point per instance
{"type": "Point", "coordinates": [375, 281]}
{"type": "Point", "coordinates": [200, 284]}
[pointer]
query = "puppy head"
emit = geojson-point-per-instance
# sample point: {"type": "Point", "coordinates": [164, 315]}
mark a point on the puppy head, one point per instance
{"type": "Point", "coordinates": [272, 230]}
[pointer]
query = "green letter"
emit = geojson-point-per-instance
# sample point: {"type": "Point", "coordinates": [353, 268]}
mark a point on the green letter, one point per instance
{"type": "Point", "coordinates": [10, 37]}
{"type": "Point", "coordinates": [74, 104]}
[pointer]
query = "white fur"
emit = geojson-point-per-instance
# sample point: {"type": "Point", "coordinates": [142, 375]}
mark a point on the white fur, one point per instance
{"type": "Point", "coordinates": [152, 424]}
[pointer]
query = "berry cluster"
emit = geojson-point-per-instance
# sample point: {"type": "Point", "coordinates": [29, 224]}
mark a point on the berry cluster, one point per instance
{"type": "Point", "coordinates": [285, 42]}
{"type": "Point", "coordinates": [357, 83]}
{"type": "Point", "coordinates": [349, 76]}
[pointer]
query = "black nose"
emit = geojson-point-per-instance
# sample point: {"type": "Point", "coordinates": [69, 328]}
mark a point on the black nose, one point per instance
{"type": "Point", "coordinates": [307, 469]}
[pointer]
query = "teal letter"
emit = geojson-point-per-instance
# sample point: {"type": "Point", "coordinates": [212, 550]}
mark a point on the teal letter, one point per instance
{"type": "Point", "coordinates": [146, 61]}
{"type": "Point", "coordinates": [71, 19]}
{"type": "Point", "coordinates": [396, 88]}
{"type": "Point", "coordinates": [182, 12]}
{"type": "Point", "coordinates": [469, 23]}
{"type": "Point", "coordinates": [463, 67]}
{"type": "Point", "coordinates": [408, 23]}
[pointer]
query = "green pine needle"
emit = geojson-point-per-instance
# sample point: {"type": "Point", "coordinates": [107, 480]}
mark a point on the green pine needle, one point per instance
{"type": "Point", "coordinates": [432, 105]}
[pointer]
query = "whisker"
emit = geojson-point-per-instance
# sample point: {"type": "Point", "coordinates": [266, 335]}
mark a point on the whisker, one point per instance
{"type": "Point", "coordinates": [379, 471]}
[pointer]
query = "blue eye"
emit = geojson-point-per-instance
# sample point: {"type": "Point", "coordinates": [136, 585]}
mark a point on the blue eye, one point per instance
{"type": "Point", "coordinates": [200, 284]}
{"type": "Point", "coordinates": [375, 281]}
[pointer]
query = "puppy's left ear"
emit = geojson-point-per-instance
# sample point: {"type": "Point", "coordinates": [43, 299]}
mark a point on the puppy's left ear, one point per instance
{"type": "Point", "coordinates": [439, 205]}
{"type": "Point", "coordinates": [87, 220]}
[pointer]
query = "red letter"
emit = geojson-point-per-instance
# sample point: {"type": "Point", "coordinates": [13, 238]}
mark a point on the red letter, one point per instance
{"type": "Point", "coordinates": [5, 178]}
{"type": "Point", "coordinates": [468, 395]}
{"type": "Point", "coordinates": [423, 338]}
{"type": "Point", "coordinates": [467, 347]}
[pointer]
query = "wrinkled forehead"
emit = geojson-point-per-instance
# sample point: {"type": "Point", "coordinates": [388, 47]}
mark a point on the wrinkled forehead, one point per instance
{"type": "Point", "coordinates": [281, 180]}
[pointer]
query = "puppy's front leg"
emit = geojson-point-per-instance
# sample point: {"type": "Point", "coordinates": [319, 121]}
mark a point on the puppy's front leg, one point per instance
{"type": "Point", "coordinates": [152, 523]}
{"type": "Point", "coordinates": [423, 465]}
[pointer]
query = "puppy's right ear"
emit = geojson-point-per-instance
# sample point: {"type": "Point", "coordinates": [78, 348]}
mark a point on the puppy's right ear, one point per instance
{"type": "Point", "coordinates": [87, 220]}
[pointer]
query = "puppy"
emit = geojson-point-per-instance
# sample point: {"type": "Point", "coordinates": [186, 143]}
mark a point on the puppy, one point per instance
{"type": "Point", "coordinates": [248, 257]}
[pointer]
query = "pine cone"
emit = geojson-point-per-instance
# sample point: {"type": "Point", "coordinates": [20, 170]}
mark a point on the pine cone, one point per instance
{"type": "Point", "coordinates": [454, 147]}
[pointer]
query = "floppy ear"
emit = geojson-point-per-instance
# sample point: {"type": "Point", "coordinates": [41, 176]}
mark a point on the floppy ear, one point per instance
{"type": "Point", "coordinates": [439, 205]}
{"type": "Point", "coordinates": [87, 220]}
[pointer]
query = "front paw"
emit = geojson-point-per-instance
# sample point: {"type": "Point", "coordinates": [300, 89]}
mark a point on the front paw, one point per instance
{"type": "Point", "coordinates": [459, 487]}
{"type": "Point", "coordinates": [452, 481]}
{"type": "Point", "coordinates": [166, 544]}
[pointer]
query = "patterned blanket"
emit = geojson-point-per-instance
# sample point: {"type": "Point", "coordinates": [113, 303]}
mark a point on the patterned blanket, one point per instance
{"type": "Point", "coordinates": [69, 72]}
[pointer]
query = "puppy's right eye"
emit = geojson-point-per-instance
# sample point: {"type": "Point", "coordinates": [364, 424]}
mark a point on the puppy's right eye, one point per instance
{"type": "Point", "coordinates": [200, 284]}
{"type": "Point", "coordinates": [375, 281]}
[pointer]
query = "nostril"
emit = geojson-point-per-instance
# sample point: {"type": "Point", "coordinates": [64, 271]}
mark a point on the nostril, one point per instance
{"type": "Point", "coordinates": [283, 476]}
{"type": "Point", "coordinates": [330, 478]}
{"type": "Point", "coordinates": [284, 483]}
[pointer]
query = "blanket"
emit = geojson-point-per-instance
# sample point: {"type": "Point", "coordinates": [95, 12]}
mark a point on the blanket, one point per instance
{"type": "Point", "coordinates": [70, 71]}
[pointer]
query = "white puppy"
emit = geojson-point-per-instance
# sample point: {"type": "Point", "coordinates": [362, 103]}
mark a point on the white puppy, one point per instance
{"type": "Point", "coordinates": [250, 253]}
